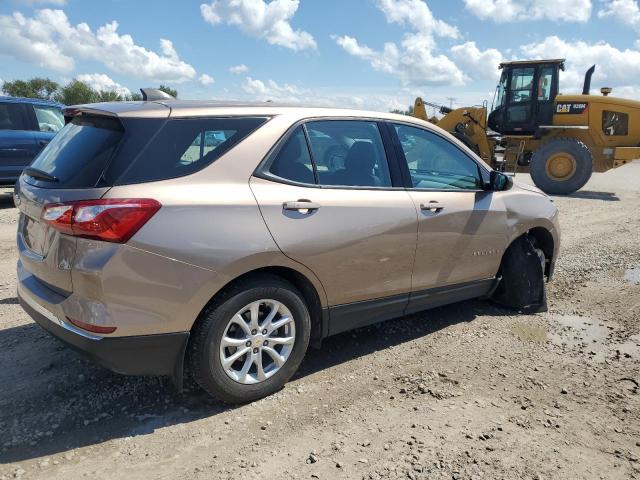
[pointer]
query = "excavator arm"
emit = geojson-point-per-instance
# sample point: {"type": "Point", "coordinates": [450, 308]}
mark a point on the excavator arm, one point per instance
{"type": "Point", "coordinates": [468, 124]}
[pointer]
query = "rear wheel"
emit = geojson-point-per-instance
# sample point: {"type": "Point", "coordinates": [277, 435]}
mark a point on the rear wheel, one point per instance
{"type": "Point", "coordinates": [561, 166]}
{"type": "Point", "coordinates": [522, 277]}
{"type": "Point", "coordinates": [251, 341]}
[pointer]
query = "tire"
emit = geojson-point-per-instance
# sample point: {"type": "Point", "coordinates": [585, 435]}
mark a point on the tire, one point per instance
{"type": "Point", "coordinates": [205, 350]}
{"type": "Point", "coordinates": [577, 176]}
{"type": "Point", "coordinates": [522, 278]}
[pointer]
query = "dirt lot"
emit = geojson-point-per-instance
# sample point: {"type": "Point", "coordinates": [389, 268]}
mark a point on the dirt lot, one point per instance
{"type": "Point", "coordinates": [465, 391]}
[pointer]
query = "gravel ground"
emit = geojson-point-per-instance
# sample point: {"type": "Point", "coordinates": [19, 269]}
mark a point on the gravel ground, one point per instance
{"type": "Point", "coordinates": [464, 391]}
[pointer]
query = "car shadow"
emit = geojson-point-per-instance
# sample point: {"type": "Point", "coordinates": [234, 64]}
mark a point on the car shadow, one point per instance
{"type": "Point", "coordinates": [589, 195]}
{"type": "Point", "coordinates": [56, 401]}
{"type": "Point", "coordinates": [6, 198]}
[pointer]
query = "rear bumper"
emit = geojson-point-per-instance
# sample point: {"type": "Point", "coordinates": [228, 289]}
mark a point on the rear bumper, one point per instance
{"type": "Point", "coordinates": [134, 355]}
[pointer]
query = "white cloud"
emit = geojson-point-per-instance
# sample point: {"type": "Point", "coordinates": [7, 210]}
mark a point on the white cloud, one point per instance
{"type": "Point", "coordinates": [624, 11]}
{"type": "Point", "coordinates": [238, 69]}
{"type": "Point", "coordinates": [50, 41]}
{"type": "Point", "coordinates": [476, 63]}
{"type": "Point", "coordinates": [501, 11]}
{"type": "Point", "coordinates": [415, 61]}
{"type": "Point", "coordinates": [417, 15]}
{"type": "Point", "coordinates": [103, 83]}
{"type": "Point", "coordinates": [206, 80]}
{"type": "Point", "coordinates": [614, 67]}
{"type": "Point", "coordinates": [257, 18]}
{"type": "Point", "coordinates": [260, 90]}
{"type": "Point", "coordinates": [271, 90]}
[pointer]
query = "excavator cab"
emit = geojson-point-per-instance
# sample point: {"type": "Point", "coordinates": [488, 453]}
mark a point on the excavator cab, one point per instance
{"type": "Point", "coordinates": [524, 98]}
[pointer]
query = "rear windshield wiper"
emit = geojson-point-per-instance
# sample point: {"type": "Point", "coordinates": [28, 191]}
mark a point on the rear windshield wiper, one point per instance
{"type": "Point", "coordinates": [40, 174]}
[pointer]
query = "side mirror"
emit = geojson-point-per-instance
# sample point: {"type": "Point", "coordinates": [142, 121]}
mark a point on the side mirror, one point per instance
{"type": "Point", "coordinates": [498, 182]}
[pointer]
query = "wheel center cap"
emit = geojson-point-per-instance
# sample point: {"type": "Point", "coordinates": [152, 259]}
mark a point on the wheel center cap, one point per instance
{"type": "Point", "coordinates": [258, 340]}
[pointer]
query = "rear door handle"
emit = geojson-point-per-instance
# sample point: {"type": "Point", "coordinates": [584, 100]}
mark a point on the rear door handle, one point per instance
{"type": "Point", "coordinates": [302, 206]}
{"type": "Point", "coordinates": [44, 143]}
{"type": "Point", "coordinates": [432, 206]}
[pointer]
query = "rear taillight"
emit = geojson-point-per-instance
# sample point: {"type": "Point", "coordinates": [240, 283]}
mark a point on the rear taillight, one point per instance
{"type": "Point", "coordinates": [109, 220]}
{"type": "Point", "coordinates": [90, 327]}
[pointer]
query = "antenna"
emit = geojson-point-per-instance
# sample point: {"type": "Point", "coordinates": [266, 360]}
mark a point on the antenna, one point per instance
{"type": "Point", "coordinates": [151, 94]}
{"type": "Point", "coordinates": [452, 100]}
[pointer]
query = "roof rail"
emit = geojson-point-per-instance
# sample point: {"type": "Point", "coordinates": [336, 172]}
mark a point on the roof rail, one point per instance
{"type": "Point", "coordinates": [152, 94]}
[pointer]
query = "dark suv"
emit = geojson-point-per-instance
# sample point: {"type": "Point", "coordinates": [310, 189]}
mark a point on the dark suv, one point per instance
{"type": "Point", "coordinates": [26, 125]}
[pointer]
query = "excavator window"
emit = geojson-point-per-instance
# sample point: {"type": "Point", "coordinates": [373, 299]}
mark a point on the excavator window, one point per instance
{"type": "Point", "coordinates": [501, 91]}
{"type": "Point", "coordinates": [521, 84]}
{"type": "Point", "coordinates": [615, 123]}
{"type": "Point", "coordinates": [525, 97]}
{"type": "Point", "coordinates": [544, 84]}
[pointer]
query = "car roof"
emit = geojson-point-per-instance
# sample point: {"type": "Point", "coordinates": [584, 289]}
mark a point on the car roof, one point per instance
{"type": "Point", "coordinates": [201, 108]}
{"type": "Point", "coordinates": [33, 101]}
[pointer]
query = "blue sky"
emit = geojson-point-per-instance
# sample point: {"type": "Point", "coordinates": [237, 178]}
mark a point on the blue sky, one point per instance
{"type": "Point", "coordinates": [376, 54]}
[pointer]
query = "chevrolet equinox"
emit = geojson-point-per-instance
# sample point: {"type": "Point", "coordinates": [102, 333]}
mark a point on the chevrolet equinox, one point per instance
{"type": "Point", "coordinates": [165, 236]}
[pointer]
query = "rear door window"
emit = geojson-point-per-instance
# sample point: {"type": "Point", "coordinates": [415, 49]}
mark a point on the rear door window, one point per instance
{"type": "Point", "coordinates": [293, 161]}
{"type": "Point", "coordinates": [13, 117]}
{"type": "Point", "coordinates": [348, 153]}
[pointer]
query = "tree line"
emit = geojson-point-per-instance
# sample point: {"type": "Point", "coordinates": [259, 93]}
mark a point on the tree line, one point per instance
{"type": "Point", "coordinates": [73, 93]}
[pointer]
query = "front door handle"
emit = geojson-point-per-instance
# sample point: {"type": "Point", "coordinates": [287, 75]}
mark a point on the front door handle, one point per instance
{"type": "Point", "coordinates": [432, 206]}
{"type": "Point", "coordinates": [44, 143]}
{"type": "Point", "coordinates": [302, 206]}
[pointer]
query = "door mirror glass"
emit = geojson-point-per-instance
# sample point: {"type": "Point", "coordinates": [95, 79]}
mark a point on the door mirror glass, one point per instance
{"type": "Point", "coordinates": [498, 182]}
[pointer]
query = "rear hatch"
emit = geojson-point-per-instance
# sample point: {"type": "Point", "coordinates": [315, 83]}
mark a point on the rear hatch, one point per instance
{"type": "Point", "coordinates": [62, 194]}
{"type": "Point", "coordinates": [79, 164]}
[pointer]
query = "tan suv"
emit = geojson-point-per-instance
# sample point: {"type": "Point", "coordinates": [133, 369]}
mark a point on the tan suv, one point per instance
{"type": "Point", "coordinates": [165, 234]}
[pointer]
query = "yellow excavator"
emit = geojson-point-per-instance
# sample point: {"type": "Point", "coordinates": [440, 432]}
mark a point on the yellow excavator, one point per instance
{"type": "Point", "coordinates": [559, 139]}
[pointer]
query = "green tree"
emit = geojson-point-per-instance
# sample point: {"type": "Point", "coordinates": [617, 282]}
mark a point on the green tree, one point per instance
{"type": "Point", "coordinates": [409, 111]}
{"type": "Point", "coordinates": [37, 87]}
{"type": "Point", "coordinates": [169, 90]}
{"type": "Point", "coordinates": [109, 96]}
{"type": "Point", "coordinates": [135, 97]}
{"type": "Point", "coordinates": [76, 92]}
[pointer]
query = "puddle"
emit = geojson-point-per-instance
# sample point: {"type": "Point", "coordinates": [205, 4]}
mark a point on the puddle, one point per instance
{"type": "Point", "coordinates": [632, 275]}
{"type": "Point", "coordinates": [581, 334]}
{"type": "Point", "coordinates": [530, 333]}
{"type": "Point", "coordinates": [584, 334]}
{"type": "Point", "coordinates": [631, 347]}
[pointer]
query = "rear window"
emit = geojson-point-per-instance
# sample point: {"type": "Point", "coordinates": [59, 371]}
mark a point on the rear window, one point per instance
{"type": "Point", "coordinates": [79, 153]}
{"type": "Point", "coordinates": [100, 151]}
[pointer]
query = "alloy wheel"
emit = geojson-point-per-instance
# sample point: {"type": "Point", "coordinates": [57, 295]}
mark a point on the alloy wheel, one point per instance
{"type": "Point", "coordinates": [257, 341]}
